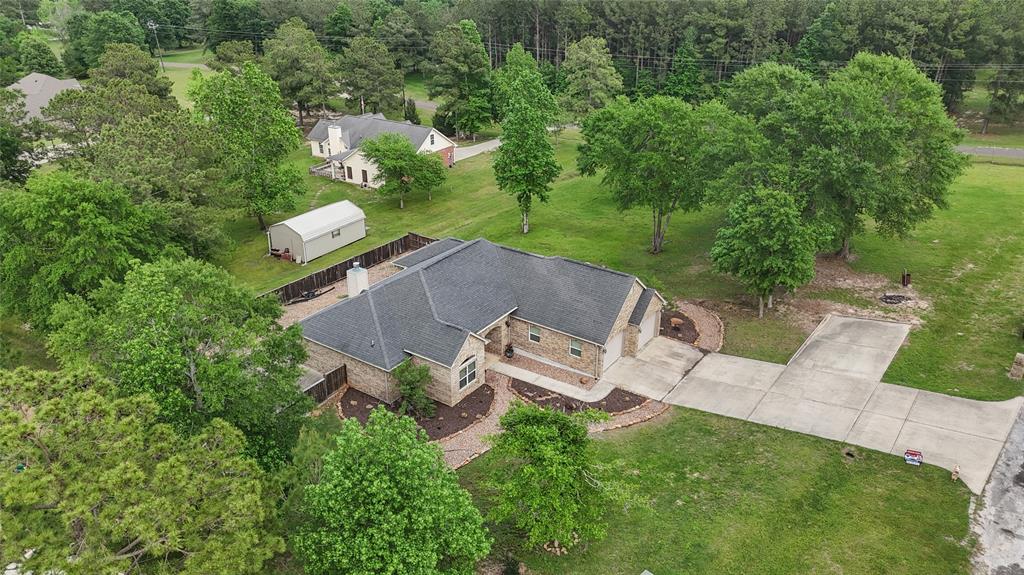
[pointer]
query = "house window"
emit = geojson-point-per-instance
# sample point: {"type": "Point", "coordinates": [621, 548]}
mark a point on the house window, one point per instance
{"type": "Point", "coordinates": [335, 233]}
{"type": "Point", "coordinates": [321, 144]}
{"type": "Point", "coordinates": [348, 172]}
{"type": "Point", "coordinates": [364, 177]}
{"type": "Point", "coordinates": [534, 334]}
{"type": "Point", "coordinates": [467, 373]}
{"type": "Point", "coordinates": [431, 139]}
{"type": "Point", "coordinates": [575, 348]}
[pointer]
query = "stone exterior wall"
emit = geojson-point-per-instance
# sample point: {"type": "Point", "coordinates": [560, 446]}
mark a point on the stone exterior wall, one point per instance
{"type": "Point", "coordinates": [554, 346]}
{"type": "Point", "coordinates": [633, 331]}
{"type": "Point", "coordinates": [629, 344]}
{"type": "Point", "coordinates": [440, 376]}
{"type": "Point", "coordinates": [473, 347]}
{"type": "Point", "coordinates": [366, 378]}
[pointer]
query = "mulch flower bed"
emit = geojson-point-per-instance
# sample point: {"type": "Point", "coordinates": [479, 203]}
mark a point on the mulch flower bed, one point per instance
{"type": "Point", "coordinates": [447, 421]}
{"type": "Point", "coordinates": [684, 330]}
{"type": "Point", "coordinates": [615, 402]}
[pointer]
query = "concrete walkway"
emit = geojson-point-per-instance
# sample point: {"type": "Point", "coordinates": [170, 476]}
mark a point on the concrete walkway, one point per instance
{"type": "Point", "coordinates": [596, 393]}
{"type": "Point", "coordinates": [831, 388]}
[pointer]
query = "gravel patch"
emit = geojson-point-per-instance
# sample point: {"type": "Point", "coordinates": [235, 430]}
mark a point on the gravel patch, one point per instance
{"type": "Point", "coordinates": [710, 331]}
{"type": "Point", "coordinates": [300, 310]}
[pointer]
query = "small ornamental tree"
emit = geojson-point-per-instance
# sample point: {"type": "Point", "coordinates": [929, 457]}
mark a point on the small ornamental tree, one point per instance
{"type": "Point", "coordinates": [524, 164]}
{"type": "Point", "coordinates": [387, 504]}
{"type": "Point", "coordinates": [400, 170]}
{"type": "Point", "coordinates": [94, 483]}
{"type": "Point", "coordinates": [546, 482]}
{"type": "Point", "coordinates": [409, 111]}
{"type": "Point", "coordinates": [765, 244]}
{"type": "Point", "coordinates": [412, 387]}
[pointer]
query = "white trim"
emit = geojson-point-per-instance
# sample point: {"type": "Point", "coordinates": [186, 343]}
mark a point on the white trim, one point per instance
{"type": "Point", "coordinates": [656, 292]}
{"type": "Point", "coordinates": [530, 333]}
{"type": "Point", "coordinates": [465, 365]}
{"type": "Point", "coordinates": [571, 354]}
{"type": "Point", "coordinates": [495, 322]}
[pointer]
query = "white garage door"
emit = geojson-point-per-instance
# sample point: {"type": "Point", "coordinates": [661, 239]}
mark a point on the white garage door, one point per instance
{"type": "Point", "coordinates": [614, 350]}
{"type": "Point", "coordinates": [648, 327]}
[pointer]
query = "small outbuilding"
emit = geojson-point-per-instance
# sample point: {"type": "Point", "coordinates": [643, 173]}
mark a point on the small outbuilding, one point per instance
{"type": "Point", "coordinates": [317, 232]}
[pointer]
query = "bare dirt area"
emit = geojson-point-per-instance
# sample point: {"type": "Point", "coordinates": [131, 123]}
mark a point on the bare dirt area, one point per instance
{"type": "Point", "coordinates": [617, 401]}
{"type": "Point", "coordinates": [296, 311]}
{"type": "Point", "coordinates": [446, 422]}
{"type": "Point", "coordinates": [838, 289]}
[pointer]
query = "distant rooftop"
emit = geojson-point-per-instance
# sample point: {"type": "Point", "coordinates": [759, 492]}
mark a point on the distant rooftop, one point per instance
{"type": "Point", "coordinates": [39, 89]}
{"type": "Point", "coordinates": [355, 129]}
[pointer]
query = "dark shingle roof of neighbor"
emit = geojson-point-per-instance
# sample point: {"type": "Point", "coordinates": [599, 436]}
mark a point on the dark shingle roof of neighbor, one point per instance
{"type": "Point", "coordinates": [355, 129]}
{"type": "Point", "coordinates": [39, 89]}
{"type": "Point", "coordinates": [444, 295]}
{"type": "Point", "coordinates": [641, 306]}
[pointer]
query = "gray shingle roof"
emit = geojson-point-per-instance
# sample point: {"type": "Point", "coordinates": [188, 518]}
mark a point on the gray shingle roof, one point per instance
{"type": "Point", "coordinates": [355, 129]}
{"type": "Point", "coordinates": [637, 315]}
{"type": "Point", "coordinates": [444, 295]}
{"type": "Point", "coordinates": [426, 252]}
{"type": "Point", "coordinates": [39, 89]}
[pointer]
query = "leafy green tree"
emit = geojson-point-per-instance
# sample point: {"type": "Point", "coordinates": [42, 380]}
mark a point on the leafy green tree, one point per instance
{"type": "Point", "coordinates": [369, 74]}
{"type": "Point", "coordinates": [387, 504]}
{"type": "Point", "coordinates": [232, 54]}
{"type": "Point", "coordinates": [78, 116]}
{"type": "Point", "coordinates": [520, 78]}
{"type": "Point", "coordinates": [461, 76]}
{"type": "Point", "coordinates": [234, 20]}
{"type": "Point", "coordinates": [766, 244]}
{"type": "Point", "coordinates": [95, 484]}
{"type": "Point", "coordinates": [546, 482]}
{"type": "Point", "coordinates": [301, 66]}
{"type": "Point", "coordinates": [338, 28]}
{"type": "Point", "coordinates": [1006, 86]}
{"type": "Point", "coordinates": [56, 14]}
{"type": "Point", "coordinates": [400, 170]}
{"type": "Point", "coordinates": [663, 154]}
{"type": "Point", "coordinates": [591, 80]}
{"type": "Point", "coordinates": [686, 80]}
{"type": "Point", "coordinates": [35, 55]}
{"type": "Point", "coordinates": [170, 163]}
{"type": "Point", "coordinates": [410, 113]}
{"type": "Point", "coordinates": [314, 13]}
{"type": "Point", "coordinates": [66, 235]}
{"type": "Point", "coordinates": [412, 388]}
{"type": "Point", "coordinates": [129, 63]}
{"type": "Point", "coordinates": [874, 141]}
{"type": "Point", "coordinates": [399, 34]}
{"type": "Point", "coordinates": [184, 332]}
{"type": "Point", "coordinates": [524, 164]}
{"type": "Point", "coordinates": [88, 36]}
{"type": "Point", "coordinates": [15, 135]}
{"type": "Point", "coordinates": [245, 111]}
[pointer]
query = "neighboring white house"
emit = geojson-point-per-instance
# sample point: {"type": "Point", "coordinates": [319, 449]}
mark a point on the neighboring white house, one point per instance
{"type": "Point", "coordinates": [337, 141]}
{"type": "Point", "coordinates": [317, 232]}
{"type": "Point", "coordinates": [39, 89]}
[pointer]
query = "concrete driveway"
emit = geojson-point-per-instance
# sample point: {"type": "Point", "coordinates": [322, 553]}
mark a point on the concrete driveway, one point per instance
{"type": "Point", "coordinates": [831, 388]}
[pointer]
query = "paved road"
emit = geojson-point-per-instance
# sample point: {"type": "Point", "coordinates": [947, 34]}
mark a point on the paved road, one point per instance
{"type": "Point", "coordinates": [993, 151]}
{"type": "Point", "coordinates": [185, 65]}
{"type": "Point", "coordinates": [463, 152]}
{"type": "Point", "coordinates": [831, 388]}
{"type": "Point", "coordinates": [426, 105]}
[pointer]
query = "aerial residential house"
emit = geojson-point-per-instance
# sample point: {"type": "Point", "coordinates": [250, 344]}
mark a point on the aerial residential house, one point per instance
{"type": "Point", "coordinates": [39, 89]}
{"type": "Point", "coordinates": [338, 141]}
{"type": "Point", "coordinates": [458, 306]}
{"type": "Point", "coordinates": [317, 232]}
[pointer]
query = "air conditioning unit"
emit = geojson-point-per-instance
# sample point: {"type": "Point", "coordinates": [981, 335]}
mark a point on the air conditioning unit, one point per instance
{"type": "Point", "coordinates": [362, 185]}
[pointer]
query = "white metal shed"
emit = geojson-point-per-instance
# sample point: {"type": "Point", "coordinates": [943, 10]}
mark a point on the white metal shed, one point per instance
{"type": "Point", "coordinates": [317, 232]}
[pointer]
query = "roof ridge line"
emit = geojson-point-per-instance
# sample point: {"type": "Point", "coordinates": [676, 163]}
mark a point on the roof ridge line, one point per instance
{"type": "Point", "coordinates": [433, 310]}
{"type": "Point", "coordinates": [376, 325]}
{"type": "Point", "coordinates": [563, 258]}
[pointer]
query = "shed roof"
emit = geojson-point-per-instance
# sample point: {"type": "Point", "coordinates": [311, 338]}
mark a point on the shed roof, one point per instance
{"type": "Point", "coordinates": [39, 89]}
{"type": "Point", "coordinates": [318, 222]}
{"type": "Point", "coordinates": [444, 295]}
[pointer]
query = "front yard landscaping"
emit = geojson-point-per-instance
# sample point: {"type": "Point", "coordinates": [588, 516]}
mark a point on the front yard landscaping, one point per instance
{"type": "Point", "coordinates": [727, 496]}
{"type": "Point", "coordinates": [965, 262]}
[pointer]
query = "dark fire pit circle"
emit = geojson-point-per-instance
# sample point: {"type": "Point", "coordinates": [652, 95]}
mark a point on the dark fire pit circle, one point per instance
{"type": "Point", "coordinates": [894, 299]}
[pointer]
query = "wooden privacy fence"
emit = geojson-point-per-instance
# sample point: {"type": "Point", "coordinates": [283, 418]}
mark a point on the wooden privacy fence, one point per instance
{"type": "Point", "coordinates": [330, 384]}
{"type": "Point", "coordinates": [337, 272]}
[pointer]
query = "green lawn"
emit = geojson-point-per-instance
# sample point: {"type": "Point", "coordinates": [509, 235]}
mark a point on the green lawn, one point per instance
{"type": "Point", "coordinates": [998, 135]}
{"type": "Point", "coordinates": [981, 234]}
{"type": "Point", "coordinates": [188, 56]}
{"type": "Point", "coordinates": [416, 87]}
{"type": "Point", "coordinates": [729, 496]}
{"type": "Point", "coordinates": [180, 78]}
{"type": "Point", "coordinates": [29, 347]}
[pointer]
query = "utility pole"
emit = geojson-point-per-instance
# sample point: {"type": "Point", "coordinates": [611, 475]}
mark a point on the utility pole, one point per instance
{"type": "Point", "coordinates": [159, 53]}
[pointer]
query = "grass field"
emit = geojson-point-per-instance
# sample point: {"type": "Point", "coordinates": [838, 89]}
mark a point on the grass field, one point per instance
{"type": "Point", "coordinates": [728, 496]}
{"type": "Point", "coordinates": [28, 347]}
{"type": "Point", "coordinates": [180, 77]}
{"type": "Point", "coordinates": [967, 260]}
{"type": "Point", "coordinates": [188, 56]}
